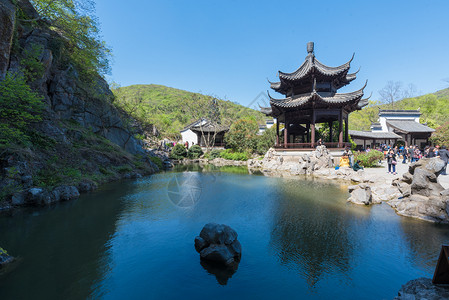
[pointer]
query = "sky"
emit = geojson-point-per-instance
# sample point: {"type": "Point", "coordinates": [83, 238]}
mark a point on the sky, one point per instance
{"type": "Point", "coordinates": [229, 49]}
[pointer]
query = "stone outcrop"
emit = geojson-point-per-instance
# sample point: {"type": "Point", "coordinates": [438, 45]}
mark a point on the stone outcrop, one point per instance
{"type": "Point", "coordinates": [422, 196]}
{"type": "Point", "coordinates": [218, 243]}
{"type": "Point", "coordinates": [422, 288]}
{"type": "Point", "coordinates": [307, 164]}
{"type": "Point", "coordinates": [77, 114]}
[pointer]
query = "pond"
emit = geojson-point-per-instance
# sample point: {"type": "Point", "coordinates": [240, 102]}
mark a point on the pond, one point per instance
{"type": "Point", "coordinates": [134, 240]}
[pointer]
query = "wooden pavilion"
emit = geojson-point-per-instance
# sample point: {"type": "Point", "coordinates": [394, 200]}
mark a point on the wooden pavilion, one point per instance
{"type": "Point", "coordinates": [311, 98]}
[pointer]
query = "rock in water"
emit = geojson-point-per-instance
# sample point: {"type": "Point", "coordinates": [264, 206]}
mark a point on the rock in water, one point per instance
{"type": "Point", "coordinates": [218, 243]}
{"type": "Point", "coordinates": [422, 288]}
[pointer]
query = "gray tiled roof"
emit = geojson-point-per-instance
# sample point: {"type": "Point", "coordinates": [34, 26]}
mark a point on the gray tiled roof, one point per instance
{"type": "Point", "coordinates": [303, 99]}
{"type": "Point", "coordinates": [409, 126]}
{"type": "Point", "coordinates": [398, 112]}
{"type": "Point", "coordinates": [209, 127]}
{"type": "Point", "coordinates": [373, 134]}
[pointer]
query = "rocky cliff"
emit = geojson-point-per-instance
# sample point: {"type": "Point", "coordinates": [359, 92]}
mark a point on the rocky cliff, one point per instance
{"type": "Point", "coordinates": [81, 139]}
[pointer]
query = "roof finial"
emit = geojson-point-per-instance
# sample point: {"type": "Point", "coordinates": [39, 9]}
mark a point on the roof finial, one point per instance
{"type": "Point", "coordinates": [310, 47]}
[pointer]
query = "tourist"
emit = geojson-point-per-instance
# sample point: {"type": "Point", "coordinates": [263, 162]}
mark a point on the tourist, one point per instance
{"type": "Point", "coordinates": [444, 156]}
{"type": "Point", "coordinates": [391, 161]}
{"type": "Point", "coordinates": [405, 154]}
{"type": "Point", "coordinates": [320, 142]}
{"type": "Point", "coordinates": [357, 166]}
{"type": "Point", "coordinates": [367, 149]}
{"type": "Point", "coordinates": [344, 160]}
{"type": "Point", "coordinates": [410, 154]}
{"type": "Point", "coordinates": [187, 144]}
{"type": "Point", "coordinates": [431, 152]}
{"type": "Point", "coordinates": [348, 153]}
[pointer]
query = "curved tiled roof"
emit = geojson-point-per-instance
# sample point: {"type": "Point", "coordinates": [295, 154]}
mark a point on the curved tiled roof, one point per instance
{"type": "Point", "coordinates": [327, 98]}
{"type": "Point", "coordinates": [313, 66]}
{"type": "Point", "coordinates": [409, 126]}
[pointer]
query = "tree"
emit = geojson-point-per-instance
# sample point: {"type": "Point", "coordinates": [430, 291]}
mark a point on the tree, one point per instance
{"type": "Point", "coordinates": [391, 92]}
{"type": "Point", "coordinates": [78, 27]}
{"type": "Point", "coordinates": [243, 135]}
{"type": "Point", "coordinates": [441, 135]}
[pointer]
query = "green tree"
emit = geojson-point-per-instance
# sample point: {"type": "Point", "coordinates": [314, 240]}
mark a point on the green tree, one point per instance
{"type": "Point", "coordinates": [78, 27]}
{"type": "Point", "coordinates": [242, 135]}
{"type": "Point", "coordinates": [266, 140]}
{"type": "Point", "coordinates": [19, 106]}
{"type": "Point", "coordinates": [441, 135]}
{"type": "Point", "coordinates": [178, 152]}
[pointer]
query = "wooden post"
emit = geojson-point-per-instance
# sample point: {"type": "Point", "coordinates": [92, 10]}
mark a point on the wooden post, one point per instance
{"type": "Point", "coordinates": [340, 130]}
{"type": "Point", "coordinates": [277, 132]}
{"type": "Point", "coordinates": [313, 129]}
{"type": "Point", "coordinates": [346, 130]}
{"type": "Point", "coordinates": [285, 133]}
{"type": "Point", "coordinates": [330, 131]}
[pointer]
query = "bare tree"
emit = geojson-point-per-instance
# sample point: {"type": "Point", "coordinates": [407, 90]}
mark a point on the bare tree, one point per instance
{"type": "Point", "coordinates": [208, 110]}
{"type": "Point", "coordinates": [391, 92]}
{"type": "Point", "coordinates": [409, 91]}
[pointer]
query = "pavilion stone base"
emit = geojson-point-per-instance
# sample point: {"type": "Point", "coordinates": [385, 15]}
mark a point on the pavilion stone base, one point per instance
{"type": "Point", "coordinates": [296, 155]}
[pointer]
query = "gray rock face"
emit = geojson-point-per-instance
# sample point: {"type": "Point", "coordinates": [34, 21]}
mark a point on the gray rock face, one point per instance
{"type": "Point", "coordinates": [422, 288]}
{"type": "Point", "coordinates": [7, 20]}
{"type": "Point", "coordinates": [422, 196]}
{"type": "Point", "coordinates": [218, 243]}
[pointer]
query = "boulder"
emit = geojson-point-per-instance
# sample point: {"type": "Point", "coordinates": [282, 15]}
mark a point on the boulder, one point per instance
{"type": "Point", "coordinates": [38, 197]}
{"type": "Point", "coordinates": [423, 197]}
{"type": "Point", "coordinates": [65, 192]}
{"type": "Point", "coordinates": [422, 288]}
{"type": "Point", "coordinates": [218, 243]}
{"type": "Point", "coordinates": [360, 194]}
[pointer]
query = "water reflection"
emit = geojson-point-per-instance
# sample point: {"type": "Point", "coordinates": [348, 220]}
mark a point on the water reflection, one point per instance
{"type": "Point", "coordinates": [425, 241]}
{"type": "Point", "coordinates": [65, 245]}
{"type": "Point", "coordinates": [222, 274]}
{"type": "Point", "coordinates": [309, 235]}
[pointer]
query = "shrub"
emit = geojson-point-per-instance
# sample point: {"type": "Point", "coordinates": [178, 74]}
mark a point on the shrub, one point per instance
{"type": "Point", "coordinates": [178, 152]}
{"type": "Point", "coordinates": [266, 140]}
{"type": "Point", "coordinates": [19, 106]}
{"type": "Point", "coordinates": [369, 159]}
{"type": "Point", "coordinates": [157, 161]}
{"type": "Point", "coordinates": [229, 154]}
{"type": "Point", "coordinates": [194, 152]}
{"type": "Point", "coordinates": [213, 154]}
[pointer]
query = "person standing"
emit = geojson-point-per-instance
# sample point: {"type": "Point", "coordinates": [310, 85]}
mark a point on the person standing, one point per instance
{"type": "Point", "coordinates": [444, 156]}
{"type": "Point", "coordinates": [410, 154]}
{"type": "Point", "coordinates": [391, 161]}
{"type": "Point", "coordinates": [404, 154]}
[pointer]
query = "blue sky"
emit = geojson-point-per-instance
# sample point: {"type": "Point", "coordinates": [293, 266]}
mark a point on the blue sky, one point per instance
{"type": "Point", "coordinates": [229, 48]}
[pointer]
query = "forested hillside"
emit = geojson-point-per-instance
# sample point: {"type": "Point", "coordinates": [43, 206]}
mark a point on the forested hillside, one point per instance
{"type": "Point", "coordinates": [434, 108]}
{"type": "Point", "coordinates": [170, 109]}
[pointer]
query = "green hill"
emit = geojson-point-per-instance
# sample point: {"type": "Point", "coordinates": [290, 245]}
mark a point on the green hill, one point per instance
{"type": "Point", "coordinates": [434, 108]}
{"type": "Point", "coordinates": [170, 109]}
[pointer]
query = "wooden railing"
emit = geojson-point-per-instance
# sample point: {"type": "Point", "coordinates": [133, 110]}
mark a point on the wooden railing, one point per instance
{"type": "Point", "coordinates": [311, 145]}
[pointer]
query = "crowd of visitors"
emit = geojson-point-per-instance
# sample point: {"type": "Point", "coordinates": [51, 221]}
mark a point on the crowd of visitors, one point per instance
{"type": "Point", "coordinates": [410, 154]}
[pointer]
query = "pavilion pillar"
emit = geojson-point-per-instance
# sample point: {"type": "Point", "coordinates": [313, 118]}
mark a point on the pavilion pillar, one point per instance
{"type": "Point", "coordinates": [307, 132]}
{"type": "Point", "coordinates": [340, 130]}
{"type": "Point", "coordinates": [313, 129]}
{"type": "Point", "coordinates": [346, 130]}
{"type": "Point", "coordinates": [364, 144]}
{"type": "Point", "coordinates": [330, 131]}
{"type": "Point", "coordinates": [285, 131]}
{"type": "Point", "coordinates": [277, 132]}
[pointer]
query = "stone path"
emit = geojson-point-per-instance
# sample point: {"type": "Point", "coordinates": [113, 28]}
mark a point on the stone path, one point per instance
{"type": "Point", "coordinates": [401, 169]}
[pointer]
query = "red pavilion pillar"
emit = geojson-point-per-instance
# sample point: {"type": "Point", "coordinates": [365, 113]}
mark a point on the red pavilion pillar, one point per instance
{"type": "Point", "coordinates": [340, 129]}
{"type": "Point", "coordinates": [277, 132]}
